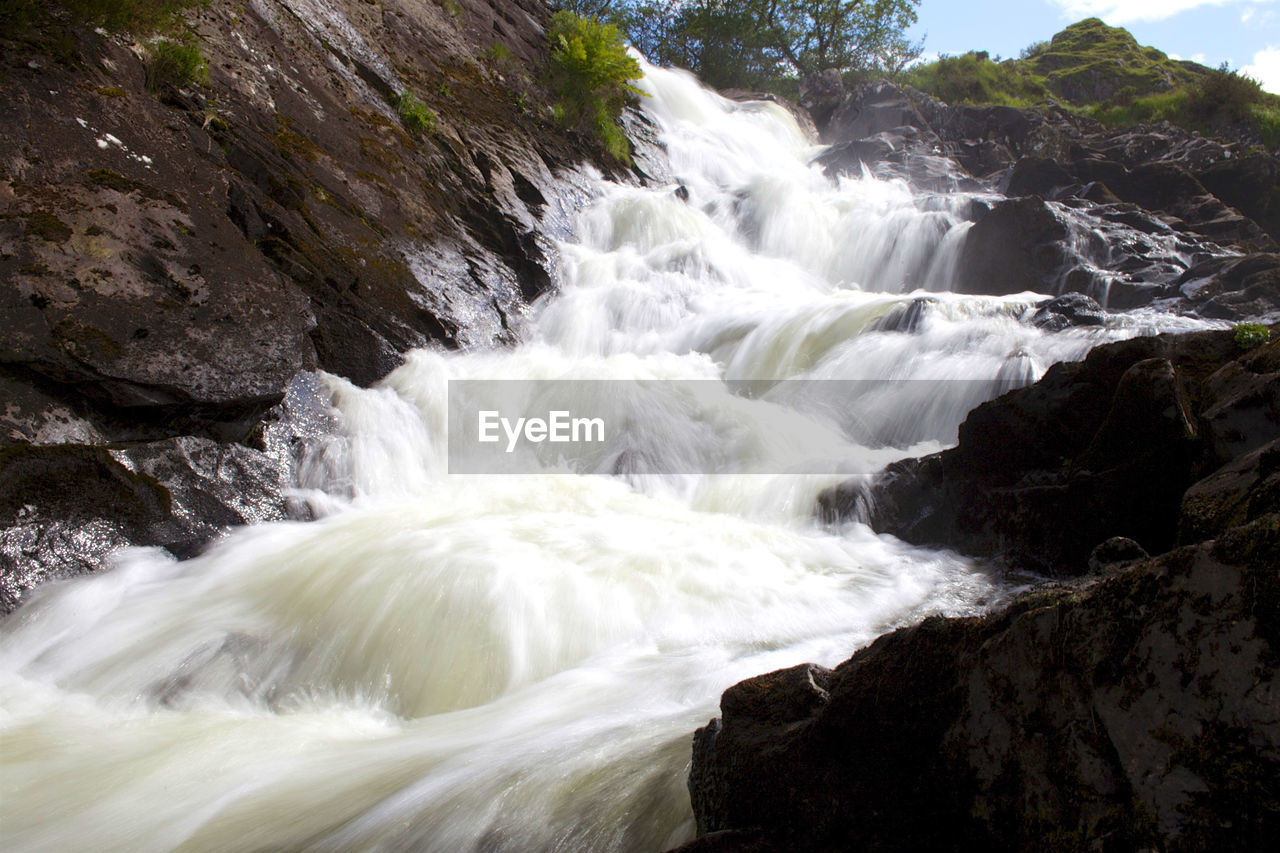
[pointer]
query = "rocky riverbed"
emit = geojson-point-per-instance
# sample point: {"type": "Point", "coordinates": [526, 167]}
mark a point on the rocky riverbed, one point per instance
{"type": "Point", "coordinates": [1127, 699]}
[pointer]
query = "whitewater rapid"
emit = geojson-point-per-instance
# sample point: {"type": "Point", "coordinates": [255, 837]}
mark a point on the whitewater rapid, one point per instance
{"type": "Point", "coordinates": [517, 663]}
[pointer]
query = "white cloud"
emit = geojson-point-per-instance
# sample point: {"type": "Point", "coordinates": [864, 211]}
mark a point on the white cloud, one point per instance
{"type": "Point", "coordinates": [1200, 58]}
{"type": "Point", "coordinates": [1265, 68]}
{"type": "Point", "coordinates": [1117, 12]}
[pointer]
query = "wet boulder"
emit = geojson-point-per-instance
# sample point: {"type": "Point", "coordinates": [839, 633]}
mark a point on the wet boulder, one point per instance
{"type": "Point", "coordinates": [1037, 176]}
{"type": "Point", "coordinates": [1070, 309]}
{"type": "Point", "coordinates": [65, 508]}
{"type": "Point", "coordinates": [855, 155]}
{"type": "Point", "coordinates": [1017, 246]}
{"type": "Point", "coordinates": [872, 108]}
{"type": "Point", "coordinates": [1170, 189]}
{"type": "Point", "coordinates": [1096, 449]}
{"type": "Point", "coordinates": [982, 158]}
{"type": "Point", "coordinates": [1234, 288]}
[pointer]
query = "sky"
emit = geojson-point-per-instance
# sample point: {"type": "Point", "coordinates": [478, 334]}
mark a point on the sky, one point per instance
{"type": "Point", "coordinates": [1243, 33]}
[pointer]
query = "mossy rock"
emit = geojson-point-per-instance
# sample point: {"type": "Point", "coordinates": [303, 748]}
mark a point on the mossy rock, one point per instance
{"type": "Point", "coordinates": [46, 226]}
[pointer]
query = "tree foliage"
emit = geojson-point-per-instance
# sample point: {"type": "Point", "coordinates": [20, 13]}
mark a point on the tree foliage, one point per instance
{"type": "Point", "coordinates": [591, 74]}
{"type": "Point", "coordinates": [747, 43]}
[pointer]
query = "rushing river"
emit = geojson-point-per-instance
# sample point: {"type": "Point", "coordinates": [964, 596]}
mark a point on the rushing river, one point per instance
{"type": "Point", "coordinates": [517, 663]}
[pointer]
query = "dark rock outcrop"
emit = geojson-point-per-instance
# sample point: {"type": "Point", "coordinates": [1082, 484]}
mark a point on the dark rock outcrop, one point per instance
{"type": "Point", "coordinates": [821, 94]}
{"type": "Point", "coordinates": [1130, 708]}
{"type": "Point", "coordinates": [65, 508]}
{"type": "Point", "coordinates": [872, 108]}
{"type": "Point", "coordinates": [1131, 712]}
{"type": "Point", "coordinates": [1234, 288]}
{"type": "Point", "coordinates": [1071, 309]}
{"type": "Point", "coordinates": [1096, 449]}
{"type": "Point", "coordinates": [1091, 211]}
{"type": "Point", "coordinates": [1018, 245]}
{"type": "Point", "coordinates": [172, 256]}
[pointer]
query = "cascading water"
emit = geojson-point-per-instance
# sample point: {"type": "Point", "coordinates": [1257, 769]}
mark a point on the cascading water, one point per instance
{"type": "Point", "coordinates": [517, 663]}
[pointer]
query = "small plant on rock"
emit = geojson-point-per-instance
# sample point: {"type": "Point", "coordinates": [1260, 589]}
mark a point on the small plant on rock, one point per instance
{"type": "Point", "coordinates": [174, 65]}
{"type": "Point", "coordinates": [1251, 335]}
{"type": "Point", "coordinates": [498, 54]}
{"type": "Point", "coordinates": [416, 116]}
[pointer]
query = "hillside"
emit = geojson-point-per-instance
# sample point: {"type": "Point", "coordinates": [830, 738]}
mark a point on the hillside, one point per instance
{"type": "Point", "coordinates": [1089, 62]}
{"type": "Point", "coordinates": [1103, 72]}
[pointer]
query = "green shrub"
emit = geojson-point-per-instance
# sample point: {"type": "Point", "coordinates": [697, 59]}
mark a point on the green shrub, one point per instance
{"type": "Point", "coordinates": [416, 116]}
{"type": "Point", "coordinates": [1220, 98]}
{"type": "Point", "coordinates": [174, 65]}
{"type": "Point", "coordinates": [1223, 94]}
{"type": "Point", "coordinates": [1251, 335]}
{"type": "Point", "coordinates": [1033, 50]}
{"type": "Point", "coordinates": [591, 77]}
{"type": "Point", "coordinates": [452, 7]}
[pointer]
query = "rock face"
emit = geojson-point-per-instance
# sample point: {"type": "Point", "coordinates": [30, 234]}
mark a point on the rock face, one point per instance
{"type": "Point", "coordinates": [1077, 190]}
{"type": "Point", "coordinates": [64, 508]}
{"type": "Point", "coordinates": [1132, 712]}
{"type": "Point", "coordinates": [172, 257]}
{"type": "Point", "coordinates": [1132, 707]}
{"type": "Point", "coordinates": [1096, 449]}
{"type": "Point", "coordinates": [196, 248]}
{"type": "Point", "coordinates": [1018, 245]}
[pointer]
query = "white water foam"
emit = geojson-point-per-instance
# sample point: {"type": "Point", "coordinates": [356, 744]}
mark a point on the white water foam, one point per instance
{"type": "Point", "coordinates": [517, 663]}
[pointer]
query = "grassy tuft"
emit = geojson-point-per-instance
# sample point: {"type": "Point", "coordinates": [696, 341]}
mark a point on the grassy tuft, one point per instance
{"type": "Point", "coordinates": [416, 116]}
{"type": "Point", "coordinates": [498, 54]}
{"type": "Point", "coordinates": [175, 65]}
{"type": "Point", "coordinates": [972, 78]}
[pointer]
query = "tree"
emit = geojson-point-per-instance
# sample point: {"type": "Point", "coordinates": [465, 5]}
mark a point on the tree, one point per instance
{"type": "Point", "coordinates": [603, 10]}
{"type": "Point", "coordinates": [815, 35]}
{"type": "Point", "coordinates": [892, 58]}
{"type": "Point", "coordinates": [746, 43]}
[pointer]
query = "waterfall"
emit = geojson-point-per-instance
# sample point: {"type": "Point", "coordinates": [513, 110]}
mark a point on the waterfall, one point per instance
{"type": "Point", "coordinates": [515, 663]}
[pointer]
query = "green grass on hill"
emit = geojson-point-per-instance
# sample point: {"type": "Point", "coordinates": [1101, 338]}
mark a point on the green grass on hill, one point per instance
{"type": "Point", "coordinates": [972, 78]}
{"type": "Point", "coordinates": [1090, 62]}
{"type": "Point", "coordinates": [1102, 71]}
